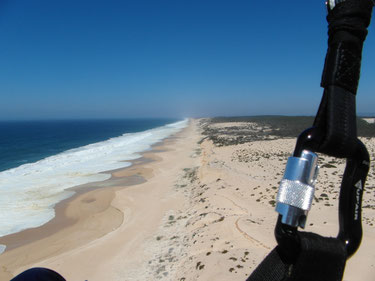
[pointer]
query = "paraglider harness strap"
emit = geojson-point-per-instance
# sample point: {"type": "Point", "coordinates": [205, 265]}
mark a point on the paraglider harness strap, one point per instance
{"type": "Point", "coordinates": [304, 256]}
{"type": "Point", "coordinates": [320, 259]}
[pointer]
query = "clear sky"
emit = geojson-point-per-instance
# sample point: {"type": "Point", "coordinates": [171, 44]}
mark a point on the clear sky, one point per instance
{"type": "Point", "coordinates": [166, 58]}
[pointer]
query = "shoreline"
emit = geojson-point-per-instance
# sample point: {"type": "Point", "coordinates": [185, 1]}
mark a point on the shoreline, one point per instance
{"type": "Point", "coordinates": [60, 220]}
{"type": "Point", "coordinates": [71, 214]}
{"type": "Point", "coordinates": [205, 211]}
{"type": "Point", "coordinates": [133, 174]}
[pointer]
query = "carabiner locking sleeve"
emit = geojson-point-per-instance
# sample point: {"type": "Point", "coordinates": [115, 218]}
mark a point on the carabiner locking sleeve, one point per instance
{"type": "Point", "coordinates": [297, 190]}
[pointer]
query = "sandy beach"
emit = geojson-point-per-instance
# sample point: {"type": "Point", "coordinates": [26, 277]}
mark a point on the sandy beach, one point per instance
{"type": "Point", "coordinates": [192, 208]}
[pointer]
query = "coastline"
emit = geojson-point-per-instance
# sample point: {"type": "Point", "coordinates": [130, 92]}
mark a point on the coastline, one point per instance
{"type": "Point", "coordinates": [62, 219]}
{"type": "Point", "coordinates": [79, 219]}
{"type": "Point", "coordinates": [197, 210]}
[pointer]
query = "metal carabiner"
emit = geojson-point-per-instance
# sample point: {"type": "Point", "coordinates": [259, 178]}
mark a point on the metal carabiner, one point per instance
{"type": "Point", "coordinates": [296, 192]}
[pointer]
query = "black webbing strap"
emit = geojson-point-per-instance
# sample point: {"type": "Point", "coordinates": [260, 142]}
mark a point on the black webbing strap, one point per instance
{"type": "Point", "coordinates": [320, 259]}
{"type": "Point", "coordinates": [337, 119]}
{"type": "Point", "coordinates": [347, 30]}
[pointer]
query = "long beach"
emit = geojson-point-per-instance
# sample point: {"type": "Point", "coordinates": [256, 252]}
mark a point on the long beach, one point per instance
{"type": "Point", "coordinates": [198, 206]}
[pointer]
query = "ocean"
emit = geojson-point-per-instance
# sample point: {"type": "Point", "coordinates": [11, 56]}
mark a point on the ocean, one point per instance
{"type": "Point", "coordinates": [41, 160]}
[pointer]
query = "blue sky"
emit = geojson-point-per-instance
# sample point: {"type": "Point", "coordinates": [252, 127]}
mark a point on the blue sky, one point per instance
{"type": "Point", "coordinates": [114, 59]}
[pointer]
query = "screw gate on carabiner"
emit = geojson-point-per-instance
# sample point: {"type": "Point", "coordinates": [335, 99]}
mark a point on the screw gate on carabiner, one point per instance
{"type": "Point", "coordinates": [334, 133]}
{"type": "Point", "coordinates": [296, 192]}
{"type": "Point", "coordinates": [308, 256]}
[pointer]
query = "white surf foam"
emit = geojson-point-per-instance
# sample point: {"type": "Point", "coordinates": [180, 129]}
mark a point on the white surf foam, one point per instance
{"type": "Point", "coordinates": [29, 192]}
{"type": "Point", "coordinates": [2, 248]}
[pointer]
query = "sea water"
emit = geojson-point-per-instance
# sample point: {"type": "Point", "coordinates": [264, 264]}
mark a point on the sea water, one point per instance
{"type": "Point", "coordinates": [29, 192]}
